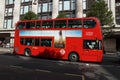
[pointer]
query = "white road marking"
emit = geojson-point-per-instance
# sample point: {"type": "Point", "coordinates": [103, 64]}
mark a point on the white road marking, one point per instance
{"type": "Point", "coordinates": [69, 74]}
{"type": "Point", "coordinates": [43, 70]}
{"type": "Point", "coordinates": [16, 66]}
{"type": "Point", "coordinates": [75, 75]}
{"type": "Point", "coordinates": [25, 58]}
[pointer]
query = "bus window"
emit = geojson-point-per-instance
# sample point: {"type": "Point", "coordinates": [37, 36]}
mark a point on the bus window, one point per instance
{"type": "Point", "coordinates": [47, 24]}
{"type": "Point", "coordinates": [92, 44]}
{"type": "Point", "coordinates": [21, 25]}
{"type": "Point", "coordinates": [22, 41]}
{"type": "Point", "coordinates": [89, 23]}
{"type": "Point", "coordinates": [38, 24]}
{"type": "Point", "coordinates": [74, 23]}
{"type": "Point", "coordinates": [30, 25]}
{"type": "Point", "coordinates": [46, 42]}
{"type": "Point", "coordinates": [60, 24]}
{"type": "Point", "coordinates": [37, 42]}
{"type": "Point", "coordinates": [29, 41]}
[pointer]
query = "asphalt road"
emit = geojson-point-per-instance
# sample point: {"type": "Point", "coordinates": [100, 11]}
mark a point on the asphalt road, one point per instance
{"type": "Point", "coordinates": [16, 67]}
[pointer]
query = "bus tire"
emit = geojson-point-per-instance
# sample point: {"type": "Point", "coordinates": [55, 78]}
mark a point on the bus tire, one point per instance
{"type": "Point", "coordinates": [27, 52]}
{"type": "Point", "coordinates": [73, 57]}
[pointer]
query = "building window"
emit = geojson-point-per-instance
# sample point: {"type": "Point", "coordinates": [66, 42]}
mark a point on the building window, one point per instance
{"type": "Point", "coordinates": [50, 7]}
{"type": "Point", "coordinates": [25, 9]}
{"type": "Point", "coordinates": [117, 12]}
{"type": "Point", "coordinates": [25, 1]}
{"type": "Point", "coordinates": [72, 4]}
{"type": "Point", "coordinates": [8, 23]}
{"type": "Point", "coordinates": [7, 2]}
{"type": "Point", "coordinates": [60, 6]}
{"type": "Point", "coordinates": [39, 8]}
{"type": "Point", "coordinates": [45, 7]}
{"type": "Point", "coordinates": [84, 8]}
{"type": "Point", "coordinates": [84, 4]}
{"type": "Point", "coordinates": [67, 5]}
{"type": "Point", "coordinates": [8, 11]}
{"type": "Point", "coordinates": [26, 5]}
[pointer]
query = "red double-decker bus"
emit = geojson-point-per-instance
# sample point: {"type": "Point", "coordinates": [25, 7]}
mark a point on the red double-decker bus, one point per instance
{"type": "Point", "coordinates": [74, 39]}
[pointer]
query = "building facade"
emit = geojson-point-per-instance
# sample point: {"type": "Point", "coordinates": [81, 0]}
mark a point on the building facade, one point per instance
{"type": "Point", "coordinates": [12, 10]}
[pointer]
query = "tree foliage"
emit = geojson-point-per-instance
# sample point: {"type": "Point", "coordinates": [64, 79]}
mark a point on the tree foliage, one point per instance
{"type": "Point", "coordinates": [100, 10]}
{"type": "Point", "coordinates": [62, 15]}
{"type": "Point", "coordinates": [29, 16]}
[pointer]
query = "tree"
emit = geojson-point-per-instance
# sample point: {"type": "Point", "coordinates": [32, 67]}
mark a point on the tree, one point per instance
{"type": "Point", "coordinates": [62, 15]}
{"type": "Point", "coordinates": [100, 10]}
{"type": "Point", "coordinates": [29, 16]}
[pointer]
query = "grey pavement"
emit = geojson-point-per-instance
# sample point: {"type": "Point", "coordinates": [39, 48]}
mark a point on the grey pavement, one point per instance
{"type": "Point", "coordinates": [110, 54]}
{"type": "Point", "coordinates": [6, 50]}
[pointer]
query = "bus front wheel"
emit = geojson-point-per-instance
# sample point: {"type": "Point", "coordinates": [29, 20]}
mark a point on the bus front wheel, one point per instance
{"type": "Point", "coordinates": [73, 57]}
{"type": "Point", "coordinates": [27, 52]}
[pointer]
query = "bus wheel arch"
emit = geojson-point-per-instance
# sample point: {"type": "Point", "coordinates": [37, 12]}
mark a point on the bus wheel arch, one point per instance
{"type": "Point", "coordinates": [73, 56]}
{"type": "Point", "coordinates": [27, 52]}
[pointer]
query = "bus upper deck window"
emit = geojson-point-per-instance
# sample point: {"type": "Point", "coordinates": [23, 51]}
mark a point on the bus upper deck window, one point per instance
{"type": "Point", "coordinates": [89, 23]}
{"type": "Point", "coordinates": [60, 24]}
{"type": "Point", "coordinates": [38, 24]}
{"type": "Point", "coordinates": [74, 23]}
{"type": "Point", "coordinates": [47, 24]}
{"type": "Point", "coordinates": [30, 25]}
{"type": "Point", "coordinates": [21, 25]}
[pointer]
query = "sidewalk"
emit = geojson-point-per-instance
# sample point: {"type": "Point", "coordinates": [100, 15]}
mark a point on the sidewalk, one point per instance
{"type": "Point", "coordinates": [110, 54]}
{"type": "Point", "coordinates": [6, 50]}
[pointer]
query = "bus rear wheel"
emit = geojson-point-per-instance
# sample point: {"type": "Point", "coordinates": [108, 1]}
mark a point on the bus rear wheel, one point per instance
{"type": "Point", "coordinates": [73, 57]}
{"type": "Point", "coordinates": [27, 52]}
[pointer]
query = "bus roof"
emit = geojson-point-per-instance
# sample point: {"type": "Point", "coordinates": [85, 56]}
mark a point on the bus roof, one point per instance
{"type": "Point", "coordinates": [94, 18]}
